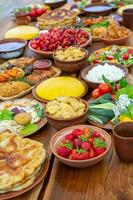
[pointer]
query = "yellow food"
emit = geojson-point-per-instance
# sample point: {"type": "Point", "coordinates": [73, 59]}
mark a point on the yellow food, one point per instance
{"type": "Point", "coordinates": [12, 88]}
{"type": "Point", "coordinates": [70, 54]}
{"type": "Point", "coordinates": [124, 118]}
{"type": "Point", "coordinates": [23, 118]}
{"type": "Point", "coordinates": [21, 161]}
{"type": "Point", "coordinates": [23, 32]}
{"type": "Point", "coordinates": [114, 31]}
{"type": "Point", "coordinates": [120, 10]}
{"type": "Point", "coordinates": [96, 32]}
{"type": "Point", "coordinates": [65, 108]}
{"type": "Point", "coordinates": [60, 86]}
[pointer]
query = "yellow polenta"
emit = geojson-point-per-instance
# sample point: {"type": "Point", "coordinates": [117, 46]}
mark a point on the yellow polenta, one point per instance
{"type": "Point", "coordinates": [60, 86]}
{"type": "Point", "coordinates": [23, 32]}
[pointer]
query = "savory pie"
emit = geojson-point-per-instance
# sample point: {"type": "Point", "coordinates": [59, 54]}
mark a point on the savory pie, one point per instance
{"type": "Point", "coordinates": [20, 161]}
{"type": "Point", "coordinates": [57, 18]}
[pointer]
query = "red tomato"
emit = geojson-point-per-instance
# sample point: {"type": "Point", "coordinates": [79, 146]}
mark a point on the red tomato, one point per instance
{"type": "Point", "coordinates": [109, 57]}
{"type": "Point", "coordinates": [95, 93]}
{"type": "Point", "coordinates": [130, 51]}
{"type": "Point", "coordinates": [104, 88]}
{"type": "Point", "coordinates": [125, 56]}
{"type": "Point", "coordinates": [32, 13]}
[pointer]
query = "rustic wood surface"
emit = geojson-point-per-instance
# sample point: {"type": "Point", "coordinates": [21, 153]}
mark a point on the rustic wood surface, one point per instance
{"type": "Point", "coordinates": [109, 180]}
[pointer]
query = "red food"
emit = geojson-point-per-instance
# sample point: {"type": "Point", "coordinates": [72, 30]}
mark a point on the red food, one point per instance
{"type": "Point", "coordinates": [77, 132]}
{"type": "Point", "coordinates": [104, 88]}
{"type": "Point", "coordinates": [92, 153]}
{"type": "Point", "coordinates": [79, 155]}
{"type": "Point", "coordinates": [95, 134]}
{"type": "Point", "coordinates": [86, 146]}
{"type": "Point", "coordinates": [95, 93]}
{"type": "Point", "coordinates": [63, 151]}
{"type": "Point", "coordinates": [99, 150]}
{"type": "Point", "coordinates": [130, 51]}
{"type": "Point", "coordinates": [32, 13]}
{"type": "Point", "coordinates": [63, 38]}
{"type": "Point", "coordinates": [81, 144]}
{"type": "Point", "coordinates": [69, 136]}
{"type": "Point", "coordinates": [77, 143]}
{"type": "Point", "coordinates": [41, 64]}
{"type": "Point", "coordinates": [117, 87]}
{"type": "Point", "coordinates": [109, 57]}
{"type": "Point", "coordinates": [125, 56]}
{"type": "Point", "coordinates": [96, 61]}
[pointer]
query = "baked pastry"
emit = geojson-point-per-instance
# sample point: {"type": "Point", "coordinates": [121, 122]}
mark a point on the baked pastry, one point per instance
{"type": "Point", "coordinates": [20, 161]}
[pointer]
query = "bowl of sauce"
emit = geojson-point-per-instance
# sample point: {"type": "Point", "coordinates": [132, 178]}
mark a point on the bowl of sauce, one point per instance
{"type": "Point", "coordinates": [12, 48]}
{"type": "Point", "coordinates": [98, 9]}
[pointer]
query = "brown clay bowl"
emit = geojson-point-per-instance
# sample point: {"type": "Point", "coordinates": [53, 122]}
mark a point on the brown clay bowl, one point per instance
{"type": "Point", "coordinates": [54, 5]}
{"type": "Point", "coordinates": [119, 41]}
{"type": "Point", "coordinates": [123, 141]}
{"type": "Point", "coordinates": [101, 12]}
{"type": "Point", "coordinates": [49, 54]}
{"type": "Point", "coordinates": [94, 85]}
{"type": "Point", "coordinates": [63, 123]}
{"type": "Point", "coordinates": [71, 66]}
{"type": "Point", "coordinates": [9, 54]}
{"type": "Point", "coordinates": [79, 163]}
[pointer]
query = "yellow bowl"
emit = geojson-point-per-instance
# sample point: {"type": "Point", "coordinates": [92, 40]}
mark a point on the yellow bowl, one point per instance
{"type": "Point", "coordinates": [60, 86]}
{"type": "Point", "coordinates": [23, 32]}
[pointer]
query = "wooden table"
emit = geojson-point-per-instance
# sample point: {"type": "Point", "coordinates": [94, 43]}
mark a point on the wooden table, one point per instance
{"type": "Point", "coordinates": [109, 180]}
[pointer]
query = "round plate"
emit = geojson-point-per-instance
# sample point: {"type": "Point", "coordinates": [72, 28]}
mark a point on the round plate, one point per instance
{"type": "Point", "coordinates": [40, 124]}
{"type": "Point", "coordinates": [42, 174]}
{"type": "Point", "coordinates": [45, 101]}
{"type": "Point", "coordinates": [106, 126]}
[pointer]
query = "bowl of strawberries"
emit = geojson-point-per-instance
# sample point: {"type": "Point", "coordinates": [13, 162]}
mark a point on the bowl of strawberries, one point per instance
{"type": "Point", "coordinates": [49, 41]}
{"type": "Point", "coordinates": [81, 145]}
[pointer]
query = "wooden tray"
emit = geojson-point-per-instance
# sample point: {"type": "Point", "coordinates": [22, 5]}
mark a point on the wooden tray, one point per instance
{"type": "Point", "coordinates": [106, 126]}
{"type": "Point", "coordinates": [40, 177]}
{"type": "Point", "coordinates": [57, 71]}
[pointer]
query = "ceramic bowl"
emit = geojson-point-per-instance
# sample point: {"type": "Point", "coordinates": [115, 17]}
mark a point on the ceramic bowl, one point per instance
{"type": "Point", "coordinates": [119, 41]}
{"type": "Point", "coordinates": [71, 66]}
{"type": "Point", "coordinates": [49, 54]}
{"type": "Point", "coordinates": [63, 123]}
{"type": "Point", "coordinates": [54, 5]}
{"type": "Point", "coordinates": [94, 85]}
{"type": "Point", "coordinates": [17, 52]}
{"type": "Point", "coordinates": [96, 11]}
{"type": "Point", "coordinates": [79, 163]}
{"type": "Point", "coordinates": [123, 141]}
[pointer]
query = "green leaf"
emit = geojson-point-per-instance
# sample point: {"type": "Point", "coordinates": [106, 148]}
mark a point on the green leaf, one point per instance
{"type": "Point", "coordinates": [123, 83]}
{"type": "Point", "coordinates": [83, 138]}
{"type": "Point", "coordinates": [68, 145]}
{"type": "Point", "coordinates": [99, 143]}
{"type": "Point", "coordinates": [80, 150]}
{"type": "Point", "coordinates": [39, 110]}
{"type": "Point", "coordinates": [6, 115]}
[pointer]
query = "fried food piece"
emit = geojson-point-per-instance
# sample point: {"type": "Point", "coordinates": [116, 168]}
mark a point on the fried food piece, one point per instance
{"type": "Point", "coordinates": [23, 118]}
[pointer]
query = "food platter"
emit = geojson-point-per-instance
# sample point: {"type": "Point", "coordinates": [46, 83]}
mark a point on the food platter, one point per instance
{"type": "Point", "coordinates": [21, 75]}
{"type": "Point", "coordinates": [108, 53]}
{"type": "Point", "coordinates": [40, 177]}
{"type": "Point", "coordinates": [24, 116]}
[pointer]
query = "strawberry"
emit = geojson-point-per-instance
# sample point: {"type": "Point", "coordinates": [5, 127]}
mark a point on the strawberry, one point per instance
{"type": "Point", "coordinates": [77, 143]}
{"type": "Point", "coordinates": [79, 154]}
{"type": "Point", "coordinates": [95, 134]}
{"type": "Point", "coordinates": [90, 140]}
{"type": "Point", "coordinates": [63, 151]}
{"type": "Point", "coordinates": [92, 153]}
{"type": "Point", "coordinates": [69, 136]}
{"type": "Point", "coordinates": [99, 150]}
{"type": "Point", "coordinates": [125, 56]}
{"type": "Point", "coordinates": [99, 146]}
{"type": "Point", "coordinates": [76, 132]}
{"type": "Point", "coordinates": [86, 146]}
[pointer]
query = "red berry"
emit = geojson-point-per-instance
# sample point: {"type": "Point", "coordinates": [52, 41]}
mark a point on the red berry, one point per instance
{"type": "Point", "coordinates": [77, 132]}
{"type": "Point", "coordinates": [77, 143]}
{"type": "Point", "coordinates": [125, 56]}
{"type": "Point", "coordinates": [92, 153]}
{"type": "Point", "coordinates": [69, 136]}
{"type": "Point", "coordinates": [99, 150]}
{"type": "Point", "coordinates": [95, 134]}
{"type": "Point", "coordinates": [63, 151]}
{"type": "Point", "coordinates": [86, 146]}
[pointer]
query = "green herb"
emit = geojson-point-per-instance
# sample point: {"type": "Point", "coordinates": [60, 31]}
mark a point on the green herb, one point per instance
{"type": "Point", "coordinates": [99, 143]}
{"type": "Point", "coordinates": [80, 150]}
{"type": "Point", "coordinates": [6, 115]}
{"type": "Point", "coordinates": [123, 83]}
{"type": "Point", "coordinates": [68, 145]}
{"type": "Point", "coordinates": [83, 138]}
{"type": "Point", "coordinates": [99, 24]}
{"type": "Point", "coordinates": [39, 110]}
{"type": "Point", "coordinates": [28, 129]}
{"type": "Point", "coordinates": [128, 90]}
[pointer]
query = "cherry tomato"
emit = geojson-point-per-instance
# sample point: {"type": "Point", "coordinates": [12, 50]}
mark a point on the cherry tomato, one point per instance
{"type": "Point", "coordinates": [109, 57]}
{"type": "Point", "coordinates": [32, 13]}
{"type": "Point", "coordinates": [125, 56]}
{"type": "Point", "coordinates": [117, 87]}
{"type": "Point", "coordinates": [130, 51]}
{"type": "Point", "coordinates": [96, 61]}
{"type": "Point", "coordinates": [104, 88]}
{"type": "Point", "coordinates": [95, 93]}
